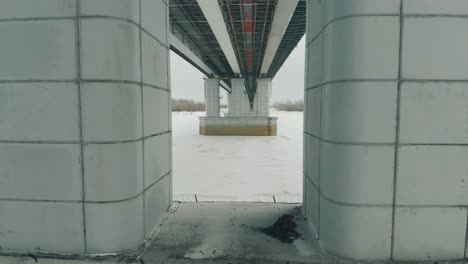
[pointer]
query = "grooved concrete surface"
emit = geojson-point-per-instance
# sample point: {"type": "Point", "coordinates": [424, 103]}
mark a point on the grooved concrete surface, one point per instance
{"type": "Point", "coordinates": [85, 152]}
{"type": "Point", "coordinates": [386, 128]}
{"type": "Point", "coordinates": [239, 105]}
{"type": "Point", "coordinates": [212, 97]}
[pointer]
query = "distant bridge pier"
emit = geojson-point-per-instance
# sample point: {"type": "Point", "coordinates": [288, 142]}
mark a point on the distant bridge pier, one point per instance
{"type": "Point", "coordinates": [242, 118]}
{"type": "Point", "coordinates": [212, 97]}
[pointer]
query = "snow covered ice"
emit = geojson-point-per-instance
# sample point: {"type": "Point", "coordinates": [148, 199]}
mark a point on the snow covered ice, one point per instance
{"type": "Point", "coordinates": [237, 168]}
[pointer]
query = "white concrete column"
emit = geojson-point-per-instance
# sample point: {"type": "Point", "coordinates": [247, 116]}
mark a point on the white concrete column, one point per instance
{"type": "Point", "coordinates": [238, 101]}
{"type": "Point", "coordinates": [262, 97]}
{"type": "Point", "coordinates": [239, 105]}
{"type": "Point", "coordinates": [386, 121]}
{"type": "Point", "coordinates": [85, 160]}
{"type": "Point", "coordinates": [212, 97]}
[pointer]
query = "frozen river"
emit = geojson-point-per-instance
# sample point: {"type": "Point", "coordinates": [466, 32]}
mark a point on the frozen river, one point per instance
{"type": "Point", "coordinates": [237, 168]}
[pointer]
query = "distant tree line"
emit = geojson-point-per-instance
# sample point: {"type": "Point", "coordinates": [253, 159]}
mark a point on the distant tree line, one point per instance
{"type": "Point", "coordinates": [289, 105]}
{"type": "Point", "coordinates": [185, 105]}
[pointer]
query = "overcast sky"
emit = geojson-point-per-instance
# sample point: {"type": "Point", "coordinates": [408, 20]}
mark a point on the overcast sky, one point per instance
{"type": "Point", "coordinates": [187, 81]}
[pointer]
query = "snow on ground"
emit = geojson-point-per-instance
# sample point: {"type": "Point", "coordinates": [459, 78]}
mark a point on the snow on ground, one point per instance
{"type": "Point", "coordinates": [237, 168]}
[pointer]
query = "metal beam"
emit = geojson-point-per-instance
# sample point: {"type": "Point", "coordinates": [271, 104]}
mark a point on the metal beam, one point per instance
{"type": "Point", "coordinates": [182, 50]}
{"type": "Point", "coordinates": [191, 57]}
{"type": "Point", "coordinates": [213, 15]}
{"type": "Point", "coordinates": [283, 12]}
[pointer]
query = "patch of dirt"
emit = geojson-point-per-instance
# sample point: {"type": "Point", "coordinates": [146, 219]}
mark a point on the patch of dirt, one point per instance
{"type": "Point", "coordinates": [284, 229]}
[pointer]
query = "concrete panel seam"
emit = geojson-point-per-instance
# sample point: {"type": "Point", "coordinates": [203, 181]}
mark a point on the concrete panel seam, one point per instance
{"type": "Point", "coordinates": [411, 80]}
{"type": "Point", "coordinates": [430, 206]}
{"type": "Point", "coordinates": [348, 17]}
{"type": "Point", "coordinates": [86, 17]}
{"type": "Point", "coordinates": [343, 203]}
{"type": "Point", "coordinates": [134, 196]}
{"type": "Point", "coordinates": [86, 81]}
{"type": "Point", "coordinates": [129, 21]}
{"type": "Point", "coordinates": [322, 73]}
{"type": "Point", "coordinates": [403, 80]}
{"type": "Point", "coordinates": [142, 113]}
{"type": "Point", "coordinates": [158, 180]}
{"type": "Point", "coordinates": [397, 131]}
{"type": "Point", "coordinates": [128, 141]}
{"type": "Point", "coordinates": [39, 200]}
{"type": "Point", "coordinates": [84, 142]}
{"type": "Point", "coordinates": [434, 15]}
{"type": "Point", "coordinates": [466, 239]}
{"type": "Point", "coordinates": [38, 142]}
{"type": "Point", "coordinates": [348, 81]}
{"type": "Point", "coordinates": [409, 15]}
{"type": "Point", "coordinates": [80, 117]}
{"type": "Point", "coordinates": [41, 81]}
{"type": "Point", "coordinates": [90, 201]}
{"type": "Point", "coordinates": [26, 19]}
{"type": "Point", "coordinates": [125, 81]}
{"type": "Point", "coordinates": [305, 117]}
{"type": "Point", "coordinates": [169, 112]}
{"type": "Point", "coordinates": [381, 205]}
{"type": "Point", "coordinates": [337, 142]}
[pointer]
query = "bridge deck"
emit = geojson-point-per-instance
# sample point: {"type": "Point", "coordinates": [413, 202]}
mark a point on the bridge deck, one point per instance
{"type": "Point", "coordinates": [247, 27]}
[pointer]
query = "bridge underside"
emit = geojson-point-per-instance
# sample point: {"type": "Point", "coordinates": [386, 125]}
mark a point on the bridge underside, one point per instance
{"type": "Point", "coordinates": [244, 42]}
{"type": "Point", "coordinates": [85, 124]}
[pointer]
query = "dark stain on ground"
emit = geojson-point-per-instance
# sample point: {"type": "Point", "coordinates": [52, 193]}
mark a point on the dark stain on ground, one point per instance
{"type": "Point", "coordinates": [284, 229]}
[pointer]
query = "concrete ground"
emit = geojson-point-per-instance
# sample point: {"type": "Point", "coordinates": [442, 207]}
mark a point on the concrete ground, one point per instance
{"type": "Point", "coordinates": [221, 233]}
{"type": "Point", "coordinates": [217, 232]}
{"type": "Point", "coordinates": [234, 233]}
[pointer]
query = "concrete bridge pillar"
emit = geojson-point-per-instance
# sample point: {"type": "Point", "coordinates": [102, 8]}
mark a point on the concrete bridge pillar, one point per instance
{"type": "Point", "coordinates": [386, 128]}
{"type": "Point", "coordinates": [263, 96]}
{"type": "Point", "coordinates": [85, 155]}
{"type": "Point", "coordinates": [241, 119]}
{"type": "Point", "coordinates": [212, 97]}
{"type": "Point", "coordinates": [239, 101]}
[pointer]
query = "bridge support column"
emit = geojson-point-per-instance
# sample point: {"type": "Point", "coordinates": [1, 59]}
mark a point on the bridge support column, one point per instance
{"type": "Point", "coordinates": [85, 159]}
{"type": "Point", "coordinates": [386, 128]}
{"type": "Point", "coordinates": [212, 97]}
{"type": "Point", "coordinates": [238, 101]}
{"type": "Point", "coordinates": [262, 98]}
{"type": "Point", "coordinates": [241, 119]}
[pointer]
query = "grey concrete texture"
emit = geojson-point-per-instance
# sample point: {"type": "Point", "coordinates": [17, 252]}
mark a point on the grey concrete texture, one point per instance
{"type": "Point", "coordinates": [386, 127]}
{"type": "Point", "coordinates": [386, 138]}
{"type": "Point", "coordinates": [238, 101]}
{"type": "Point", "coordinates": [220, 232]}
{"type": "Point", "coordinates": [85, 135]}
{"type": "Point", "coordinates": [212, 100]}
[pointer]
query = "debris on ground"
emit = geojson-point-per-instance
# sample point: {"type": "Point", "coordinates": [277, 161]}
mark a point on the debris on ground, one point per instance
{"type": "Point", "coordinates": [284, 229]}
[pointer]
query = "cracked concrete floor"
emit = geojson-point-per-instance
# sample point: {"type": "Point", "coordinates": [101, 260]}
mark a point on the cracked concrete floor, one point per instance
{"type": "Point", "coordinates": [229, 232]}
